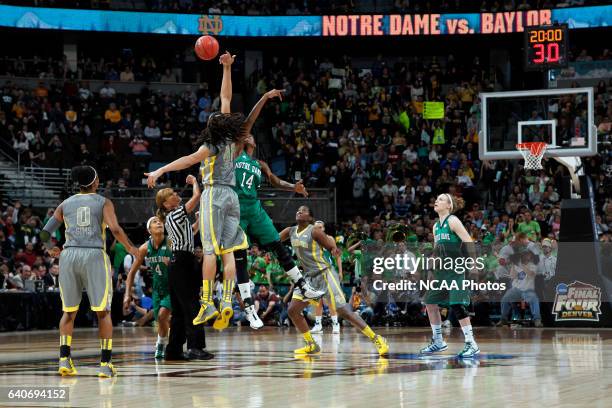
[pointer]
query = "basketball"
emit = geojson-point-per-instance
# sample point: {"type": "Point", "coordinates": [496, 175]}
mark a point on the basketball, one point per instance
{"type": "Point", "coordinates": [207, 47]}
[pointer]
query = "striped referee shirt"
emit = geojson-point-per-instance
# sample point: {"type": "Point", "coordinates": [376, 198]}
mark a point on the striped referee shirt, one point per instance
{"type": "Point", "coordinates": [179, 230]}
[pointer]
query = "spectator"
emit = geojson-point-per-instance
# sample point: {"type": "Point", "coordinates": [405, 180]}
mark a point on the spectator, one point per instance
{"type": "Point", "coordinates": [529, 227]}
{"type": "Point", "coordinates": [523, 288]}
{"type": "Point", "coordinates": [265, 304]}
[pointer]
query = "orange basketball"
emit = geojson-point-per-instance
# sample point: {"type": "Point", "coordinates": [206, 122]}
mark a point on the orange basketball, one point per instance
{"type": "Point", "coordinates": [207, 47]}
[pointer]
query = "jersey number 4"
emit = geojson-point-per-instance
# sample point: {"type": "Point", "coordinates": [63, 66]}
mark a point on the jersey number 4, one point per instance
{"type": "Point", "coordinates": [248, 182]}
{"type": "Point", "coordinates": [83, 216]}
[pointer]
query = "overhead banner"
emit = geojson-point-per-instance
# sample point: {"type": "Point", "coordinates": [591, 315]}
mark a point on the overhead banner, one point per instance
{"type": "Point", "coordinates": [301, 26]}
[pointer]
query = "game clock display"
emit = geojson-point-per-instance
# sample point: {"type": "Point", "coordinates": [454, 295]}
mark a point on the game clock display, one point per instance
{"type": "Point", "coordinates": [546, 47]}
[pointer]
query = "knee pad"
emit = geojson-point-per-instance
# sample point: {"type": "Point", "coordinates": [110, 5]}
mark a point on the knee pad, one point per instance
{"type": "Point", "coordinates": [242, 273]}
{"type": "Point", "coordinates": [460, 311]}
{"type": "Point", "coordinates": [283, 256]}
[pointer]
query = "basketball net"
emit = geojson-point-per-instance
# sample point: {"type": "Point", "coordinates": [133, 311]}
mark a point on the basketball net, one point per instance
{"type": "Point", "coordinates": [532, 153]}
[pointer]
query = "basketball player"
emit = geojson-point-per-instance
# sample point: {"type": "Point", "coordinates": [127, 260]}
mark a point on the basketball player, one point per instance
{"type": "Point", "coordinates": [308, 243]}
{"type": "Point", "coordinates": [253, 218]}
{"type": "Point", "coordinates": [157, 254]}
{"type": "Point", "coordinates": [219, 210]}
{"type": "Point", "coordinates": [221, 233]}
{"type": "Point", "coordinates": [449, 233]}
{"type": "Point", "coordinates": [318, 327]}
{"type": "Point", "coordinates": [84, 264]}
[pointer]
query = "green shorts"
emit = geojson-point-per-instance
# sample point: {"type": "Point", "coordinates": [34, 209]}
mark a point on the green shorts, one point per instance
{"type": "Point", "coordinates": [257, 224]}
{"type": "Point", "coordinates": [160, 299]}
{"type": "Point", "coordinates": [445, 297]}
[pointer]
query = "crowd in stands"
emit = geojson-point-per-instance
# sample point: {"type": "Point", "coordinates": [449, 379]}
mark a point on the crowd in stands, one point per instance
{"type": "Point", "coordinates": [357, 129]}
{"type": "Point", "coordinates": [305, 7]}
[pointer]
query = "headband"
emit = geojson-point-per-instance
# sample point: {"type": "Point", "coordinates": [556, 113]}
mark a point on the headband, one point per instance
{"type": "Point", "coordinates": [94, 178]}
{"type": "Point", "coordinates": [450, 199]}
{"type": "Point", "coordinates": [149, 222]}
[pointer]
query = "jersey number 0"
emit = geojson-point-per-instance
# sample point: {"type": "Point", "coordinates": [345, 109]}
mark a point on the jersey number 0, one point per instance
{"type": "Point", "coordinates": [83, 216]}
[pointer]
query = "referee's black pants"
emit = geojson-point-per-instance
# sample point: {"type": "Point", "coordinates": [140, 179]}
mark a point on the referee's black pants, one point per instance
{"type": "Point", "coordinates": [184, 281]}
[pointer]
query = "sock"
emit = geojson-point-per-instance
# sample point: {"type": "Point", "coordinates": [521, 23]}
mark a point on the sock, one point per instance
{"type": "Point", "coordinates": [65, 342]}
{"type": "Point", "coordinates": [308, 337]}
{"type": "Point", "coordinates": [162, 340]}
{"type": "Point", "coordinates": [294, 274]}
{"type": "Point", "coordinates": [437, 332]}
{"type": "Point", "coordinates": [106, 346]}
{"type": "Point", "coordinates": [335, 319]}
{"type": "Point", "coordinates": [245, 293]}
{"type": "Point", "coordinates": [207, 290]}
{"type": "Point", "coordinates": [228, 289]}
{"type": "Point", "coordinates": [368, 332]}
{"type": "Point", "coordinates": [318, 320]}
{"type": "Point", "coordinates": [468, 333]}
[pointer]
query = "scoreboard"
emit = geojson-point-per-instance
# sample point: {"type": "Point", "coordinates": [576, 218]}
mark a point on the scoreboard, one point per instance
{"type": "Point", "coordinates": [546, 47]}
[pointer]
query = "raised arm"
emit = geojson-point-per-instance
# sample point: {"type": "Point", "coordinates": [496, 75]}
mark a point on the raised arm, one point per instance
{"type": "Point", "coordinates": [179, 164]}
{"type": "Point", "coordinates": [110, 218]}
{"type": "Point", "coordinates": [226, 83]}
{"type": "Point", "coordinates": [129, 282]}
{"type": "Point", "coordinates": [252, 118]}
{"type": "Point", "coordinates": [195, 195]}
{"type": "Point", "coordinates": [281, 184]}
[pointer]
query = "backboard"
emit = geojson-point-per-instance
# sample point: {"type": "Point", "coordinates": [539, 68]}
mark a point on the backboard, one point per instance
{"type": "Point", "coordinates": [563, 118]}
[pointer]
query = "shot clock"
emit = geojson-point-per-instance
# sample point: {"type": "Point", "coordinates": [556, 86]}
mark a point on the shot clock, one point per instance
{"type": "Point", "coordinates": [546, 47]}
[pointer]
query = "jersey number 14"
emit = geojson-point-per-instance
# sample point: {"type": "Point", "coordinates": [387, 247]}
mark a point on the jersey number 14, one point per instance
{"type": "Point", "coordinates": [248, 182]}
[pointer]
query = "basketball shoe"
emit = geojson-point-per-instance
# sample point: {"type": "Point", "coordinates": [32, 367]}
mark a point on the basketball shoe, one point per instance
{"type": "Point", "coordinates": [434, 347]}
{"type": "Point", "coordinates": [469, 350]}
{"type": "Point", "coordinates": [254, 320]}
{"type": "Point", "coordinates": [317, 328]}
{"type": "Point", "coordinates": [224, 317]}
{"type": "Point", "coordinates": [311, 348]}
{"type": "Point", "coordinates": [381, 345]}
{"type": "Point", "coordinates": [207, 312]}
{"type": "Point", "coordinates": [107, 370]}
{"type": "Point", "coordinates": [66, 367]}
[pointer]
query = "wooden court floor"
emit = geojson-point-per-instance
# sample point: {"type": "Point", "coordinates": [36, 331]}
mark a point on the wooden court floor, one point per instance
{"type": "Point", "coordinates": [518, 368]}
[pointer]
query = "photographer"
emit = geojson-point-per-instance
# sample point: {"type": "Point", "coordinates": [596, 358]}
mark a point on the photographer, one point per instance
{"type": "Point", "coordinates": [523, 288]}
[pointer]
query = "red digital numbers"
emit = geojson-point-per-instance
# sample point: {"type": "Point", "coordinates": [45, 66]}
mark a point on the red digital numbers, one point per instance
{"type": "Point", "coordinates": [546, 53]}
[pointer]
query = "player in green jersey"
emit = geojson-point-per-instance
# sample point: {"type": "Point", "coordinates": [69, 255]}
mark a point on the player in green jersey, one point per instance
{"type": "Point", "coordinates": [157, 254]}
{"type": "Point", "coordinates": [253, 218]}
{"type": "Point", "coordinates": [449, 234]}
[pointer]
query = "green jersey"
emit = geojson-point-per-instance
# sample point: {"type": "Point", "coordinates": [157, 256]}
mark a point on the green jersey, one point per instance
{"type": "Point", "coordinates": [158, 261]}
{"type": "Point", "coordinates": [248, 177]}
{"type": "Point", "coordinates": [447, 241]}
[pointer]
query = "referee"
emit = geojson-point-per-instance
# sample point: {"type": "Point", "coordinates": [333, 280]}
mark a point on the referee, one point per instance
{"type": "Point", "coordinates": [184, 275]}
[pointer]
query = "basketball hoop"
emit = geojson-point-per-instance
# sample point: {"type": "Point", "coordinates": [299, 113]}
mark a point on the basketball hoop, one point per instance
{"type": "Point", "coordinates": [532, 153]}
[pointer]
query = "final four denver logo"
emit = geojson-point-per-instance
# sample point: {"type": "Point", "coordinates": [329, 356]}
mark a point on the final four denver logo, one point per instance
{"type": "Point", "coordinates": [577, 301]}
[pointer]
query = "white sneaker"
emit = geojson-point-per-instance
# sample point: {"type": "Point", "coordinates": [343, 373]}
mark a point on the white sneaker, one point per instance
{"type": "Point", "coordinates": [308, 291]}
{"type": "Point", "coordinates": [251, 316]}
{"type": "Point", "coordinates": [336, 328]}
{"type": "Point", "coordinates": [317, 328]}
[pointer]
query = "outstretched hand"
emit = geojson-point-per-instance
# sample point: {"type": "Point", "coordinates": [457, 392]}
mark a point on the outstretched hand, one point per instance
{"type": "Point", "coordinates": [191, 180]}
{"type": "Point", "coordinates": [275, 93]}
{"type": "Point", "coordinates": [226, 59]}
{"type": "Point", "coordinates": [152, 178]}
{"type": "Point", "coordinates": [300, 189]}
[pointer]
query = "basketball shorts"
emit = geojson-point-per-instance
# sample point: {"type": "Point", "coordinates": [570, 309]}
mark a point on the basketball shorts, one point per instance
{"type": "Point", "coordinates": [446, 295]}
{"type": "Point", "coordinates": [220, 221]}
{"type": "Point", "coordinates": [161, 299]}
{"type": "Point", "coordinates": [89, 269]}
{"type": "Point", "coordinates": [257, 224]}
{"type": "Point", "coordinates": [327, 281]}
